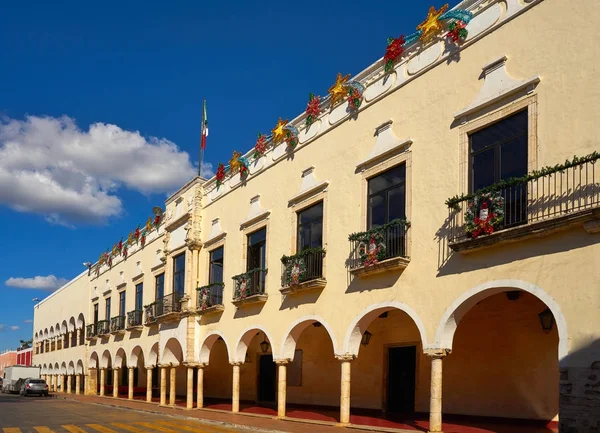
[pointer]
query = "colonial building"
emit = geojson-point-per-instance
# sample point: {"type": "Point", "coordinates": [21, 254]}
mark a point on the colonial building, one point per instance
{"type": "Point", "coordinates": [424, 223]}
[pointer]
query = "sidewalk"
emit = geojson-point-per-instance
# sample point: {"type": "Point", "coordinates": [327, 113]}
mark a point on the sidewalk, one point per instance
{"type": "Point", "coordinates": [253, 421]}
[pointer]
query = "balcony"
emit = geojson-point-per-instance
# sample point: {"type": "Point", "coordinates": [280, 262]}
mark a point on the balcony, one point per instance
{"type": "Point", "coordinates": [540, 203]}
{"type": "Point", "coordinates": [134, 320]}
{"type": "Point", "coordinates": [102, 328]}
{"type": "Point", "coordinates": [302, 271]}
{"type": "Point", "coordinates": [380, 249]}
{"type": "Point", "coordinates": [165, 309]}
{"type": "Point", "coordinates": [117, 325]}
{"type": "Point", "coordinates": [210, 298]}
{"type": "Point", "coordinates": [90, 333]}
{"type": "Point", "coordinates": [249, 287]}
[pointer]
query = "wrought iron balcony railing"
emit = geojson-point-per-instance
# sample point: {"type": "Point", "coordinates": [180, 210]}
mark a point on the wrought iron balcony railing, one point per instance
{"type": "Point", "coordinates": [117, 323]}
{"type": "Point", "coordinates": [378, 244]}
{"type": "Point", "coordinates": [550, 193]}
{"type": "Point", "coordinates": [90, 331]}
{"type": "Point", "coordinates": [134, 318]}
{"type": "Point", "coordinates": [249, 283]}
{"type": "Point", "coordinates": [210, 295]}
{"type": "Point", "coordinates": [166, 305]}
{"type": "Point", "coordinates": [102, 327]}
{"type": "Point", "coordinates": [304, 266]}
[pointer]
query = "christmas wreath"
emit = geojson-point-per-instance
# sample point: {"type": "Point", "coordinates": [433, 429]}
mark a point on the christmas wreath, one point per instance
{"type": "Point", "coordinates": [485, 212]}
{"type": "Point", "coordinates": [372, 251]}
{"type": "Point", "coordinates": [294, 271]}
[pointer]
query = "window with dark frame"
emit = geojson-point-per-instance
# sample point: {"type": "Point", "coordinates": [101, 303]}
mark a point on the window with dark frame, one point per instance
{"type": "Point", "coordinates": [160, 286]}
{"type": "Point", "coordinates": [499, 152]}
{"type": "Point", "coordinates": [95, 313]}
{"type": "Point", "coordinates": [310, 227]}
{"type": "Point", "coordinates": [215, 271]}
{"type": "Point", "coordinates": [387, 197]}
{"type": "Point", "coordinates": [122, 303]}
{"type": "Point", "coordinates": [139, 296]}
{"type": "Point", "coordinates": [257, 249]}
{"type": "Point", "coordinates": [107, 309]}
{"type": "Point", "coordinates": [179, 274]}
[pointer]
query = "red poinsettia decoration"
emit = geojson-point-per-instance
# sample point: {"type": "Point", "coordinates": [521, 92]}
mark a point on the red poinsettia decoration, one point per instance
{"type": "Point", "coordinates": [458, 30]}
{"type": "Point", "coordinates": [156, 221]}
{"type": "Point", "coordinates": [394, 50]}
{"type": "Point", "coordinates": [220, 174]}
{"type": "Point", "coordinates": [143, 239]}
{"type": "Point", "coordinates": [137, 233]}
{"type": "Point", "coordinates": [313, 109]}
{"type": "Point", "coordinates": [354, 98]}
{"type": "Point", "coordinates": [120, 246]}
{"type": "Point", "coordinates": [260, 147]}
{"type": "Point", "coordinates": [125, 252]}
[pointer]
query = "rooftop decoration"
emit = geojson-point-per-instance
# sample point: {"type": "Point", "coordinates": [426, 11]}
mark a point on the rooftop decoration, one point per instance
{"type": "Point", "coordinates": [279, 132]}
{"type": "Point", "coordinates": [313, 109]}
{"type": "Point", "coordinates": [260, 147]}
{"type": "Point", "coordinates": [432, 25]}
{"type": "Point", "coordinates": [338, 90]}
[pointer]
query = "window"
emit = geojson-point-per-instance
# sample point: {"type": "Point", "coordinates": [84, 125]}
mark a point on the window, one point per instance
{"type": "Point", "coordinates": [257, 249]}
{"type": "Point", "coordinates": [179, 274]}
{"type": "Point", "coordinates": [499, 152]}
{"type": "Point", "coordinates": [387, 192]}
{"type": "Point", "coordinates": [95, 313]}
{"type": "Point", "coordinates": [310, 227]}
{"type": "Point", "coordinates": [160, 286]}
{"type": "Point", "coordinates": [107, 310]}
{"type": "Point", "coordinates": [215, 272]}
{"type": "Point", "coordinates": [139, 296]}
{"type": "Point", "coordinates": [122, 303]}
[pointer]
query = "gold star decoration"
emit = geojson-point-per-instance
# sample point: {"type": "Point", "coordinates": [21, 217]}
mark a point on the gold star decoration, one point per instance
{"type": "Point", "coordinates": [278, 132]}
{"type": "Point", "coordinates": [338, 90]}
{"type": "Point", "coordinates": [234, 162]}
{"type": "Point", "coordinates": [432, 24]}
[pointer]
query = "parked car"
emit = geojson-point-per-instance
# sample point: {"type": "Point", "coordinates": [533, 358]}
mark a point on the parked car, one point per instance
{"type": "Point", "coordinates": [34, 387]}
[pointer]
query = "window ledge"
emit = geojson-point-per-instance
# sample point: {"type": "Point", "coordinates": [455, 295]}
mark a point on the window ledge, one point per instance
{"type": "Point", "coordinates": [121, 286]}
{"type": "Point", "coordinates": [137, 278]}
{"type": "Point", "coordinates": [526, 231]}
{"type": "Point", "coordinates": [316, 284]}
{"type": "Point", "coordinates": [210, 310]}
{"type": "Point", "coordinates": [395, 263]}
{"type": "Point", "coordinates": [135, 328]}
{"type": "Point", "coordinates": [254, 299]}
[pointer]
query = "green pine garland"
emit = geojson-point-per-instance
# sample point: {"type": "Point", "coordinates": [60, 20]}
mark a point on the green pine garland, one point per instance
{"type": "Point", "coordinates": [453, 202]}
{"type": "Point", "coordinates": [299, 259]}
{"type": "Point", "coordinates": [366, 236]}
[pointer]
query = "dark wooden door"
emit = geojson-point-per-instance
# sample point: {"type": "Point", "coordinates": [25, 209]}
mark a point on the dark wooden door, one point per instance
{"type": "Point", "coordinates": [267, 379]}
{"type": "Point", "coordinates": [402, 363]}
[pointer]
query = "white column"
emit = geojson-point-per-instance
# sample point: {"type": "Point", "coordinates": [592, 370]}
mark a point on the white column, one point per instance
{"type": "Point", "coordinates": [78, 384]}
{"type": "Point", "coordinates": [346, 361]}
{"type": "Point", "coordinates": [69, 383]}
{"type": "Point", "coordinates": [200, 386]}
{"type": "Point", "coordinates": [435, 393]}
{"type": "Point", "coordinates": [190, 388]}
{"type": "Point", "coordinates": [281, 386]}
{"type": "Point", "coordinates": [130, 383]}
{"type": "Point", "coordinates": [116, 376]}
{"type": "Point", "coordinates": [102, 380]}
{"type": "Point", "coordinates": [173, 386]}
{"type": "Point", "coordinates": [149, 383]}
{"type": "Point", "coordinates": [235, 399]}
{"type": "Point", "coordinates": [163, 385]}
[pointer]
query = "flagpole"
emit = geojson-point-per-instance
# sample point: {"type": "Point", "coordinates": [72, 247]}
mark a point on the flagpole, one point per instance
{"type": "Point", "coordinates": [201, 136]}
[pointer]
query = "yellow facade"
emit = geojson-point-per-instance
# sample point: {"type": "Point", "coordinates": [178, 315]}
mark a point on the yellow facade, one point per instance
{"type": "Point", "coordinates": [449, 304]}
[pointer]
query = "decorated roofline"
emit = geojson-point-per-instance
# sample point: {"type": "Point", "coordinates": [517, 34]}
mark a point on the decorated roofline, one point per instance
{"type": "Point", "coordinates": [371, 84]}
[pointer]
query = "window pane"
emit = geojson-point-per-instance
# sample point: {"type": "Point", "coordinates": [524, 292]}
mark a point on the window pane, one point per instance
{"type": "Point", "coordinates": [377, 210]}
{"type": "Point", "coordinates": [396, 204]}
{"type": "Point", "coordinates": [122, 303]}
{"type": "Point", "coordinates": [160, 286]}
{"type": "Point", "coordinates": [257, 237]}
{"type": "Point", "coordinates": [107, 310]}
{"type": "Point", "coordinates": [179, 274]}
{"type": "Point", "coordinates": [499, 132]}
{"type": "Point", "coordinates": [513, 158]}
{"type": "Point", "coordinates": [256, 250]}
{"type": "Point", "coordinates": [483, 169]}
{"type": "Point", "coordinates": [216, 266]}
{"type": "Point", "coordinates": [392, 177]}
{"type": "Point", "coordinates": [316, 234]}
{"type": "Point", "coordinates": [139, 296]}
{"type": "Point", "coordinates": [310, 214]}
{"type": "Point", "coordinates": [310, 227]}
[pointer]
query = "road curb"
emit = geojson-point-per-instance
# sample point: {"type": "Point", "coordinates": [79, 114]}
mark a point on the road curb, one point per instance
{"type": "Point", "coordinates": [190, 418]}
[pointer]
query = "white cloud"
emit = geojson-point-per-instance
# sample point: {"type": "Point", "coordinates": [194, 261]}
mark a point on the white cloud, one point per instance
{"type": "Point", "coordinates": [51, 167]}
{"type": "Point", "coordinates": [28, 321]}
{"type": "Point", "coordinates": [2, 328]}
{"type": "Point", "coordinates": [49, 283]}
{"type": "Point", "coordinates": [14, 328]}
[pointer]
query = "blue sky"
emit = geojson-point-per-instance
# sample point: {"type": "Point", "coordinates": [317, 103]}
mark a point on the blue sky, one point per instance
{"type": "Point", "coordinates": [138, 72]}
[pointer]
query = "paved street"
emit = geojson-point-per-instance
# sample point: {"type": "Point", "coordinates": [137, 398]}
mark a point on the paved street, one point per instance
{"type": "Point", "coordinates": [52, 415]}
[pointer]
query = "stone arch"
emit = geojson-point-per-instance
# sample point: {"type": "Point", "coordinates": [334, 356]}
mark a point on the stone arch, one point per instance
{"type": "Point", "coordinates": [57, 330]}
{"type": "Point", "coordinates": [46, 334]}
{"type": "Point", "coordinates": [291, 337]}
{"type": "Point", "coordinates": [456, 311]}
{"type": "Point", "coordinates": [80, 321]}
{"type": "Point", "coordinates": [71, 368]}
{"type": "Point", "coordinates": [106, 360]}
{"type": "Point", "coordinates": [244, 341]}
{"type": "Point", "coordinates": [93, 362]}
{"type": "Point", "coordinates": [50, 369]}
{"type": "Point", "coordinates": [51, 332]}
{"type": "Point", "coordinates": [72, 325]}
{"type": "Point", "coordinates": [206, 346]}
{"type": "Point", "coordinates": [79, 367]}
{"type": "Point", "coordinates": [35, 337]}
{"type": "Point", "coordinates": [44, 369]}
{"type": "Point", "coordinates": [137, 353]}
{"type": "Point", "coordinates": [172, 353]}
{"type": "Point", "coordinates": [362, 321]}
{"type": "Point", "coordinates": [63, 368]}
{"type": "Point", "coordinates": [64, 327]}
{"type": "Point", "coordinates": [153, 358]}
{"type": "Point", "coordinates": [120, 356]}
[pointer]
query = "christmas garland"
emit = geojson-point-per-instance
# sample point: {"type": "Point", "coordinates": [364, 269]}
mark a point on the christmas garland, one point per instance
{"type": "Point", "coordinates": [453, 202]}
{"type": "Point", "coordinates": [371, 244]}
{"type": "Point", "coordinates": [241, 283]}
{"type": "Point", "coordinates": [485, 212]}
{"type": "Point", "coordinates": [295, 266]}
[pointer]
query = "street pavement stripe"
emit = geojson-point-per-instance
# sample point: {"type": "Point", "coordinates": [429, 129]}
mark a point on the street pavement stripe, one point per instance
{"type": "Point", "coordinates": [43, 429]}
{"type": "Point", "coordinates": [12, 430]}
{"type": "Point", "coordinates": [188, 426]}
{"type": "Point", "coordinates": [155, 427]}
{"type": "Point", "coordinates": [101, 428]}
{"type": "Point", "coordinates": [130, 428]}
{"type": "Point", "coordinates": [73, 428]}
